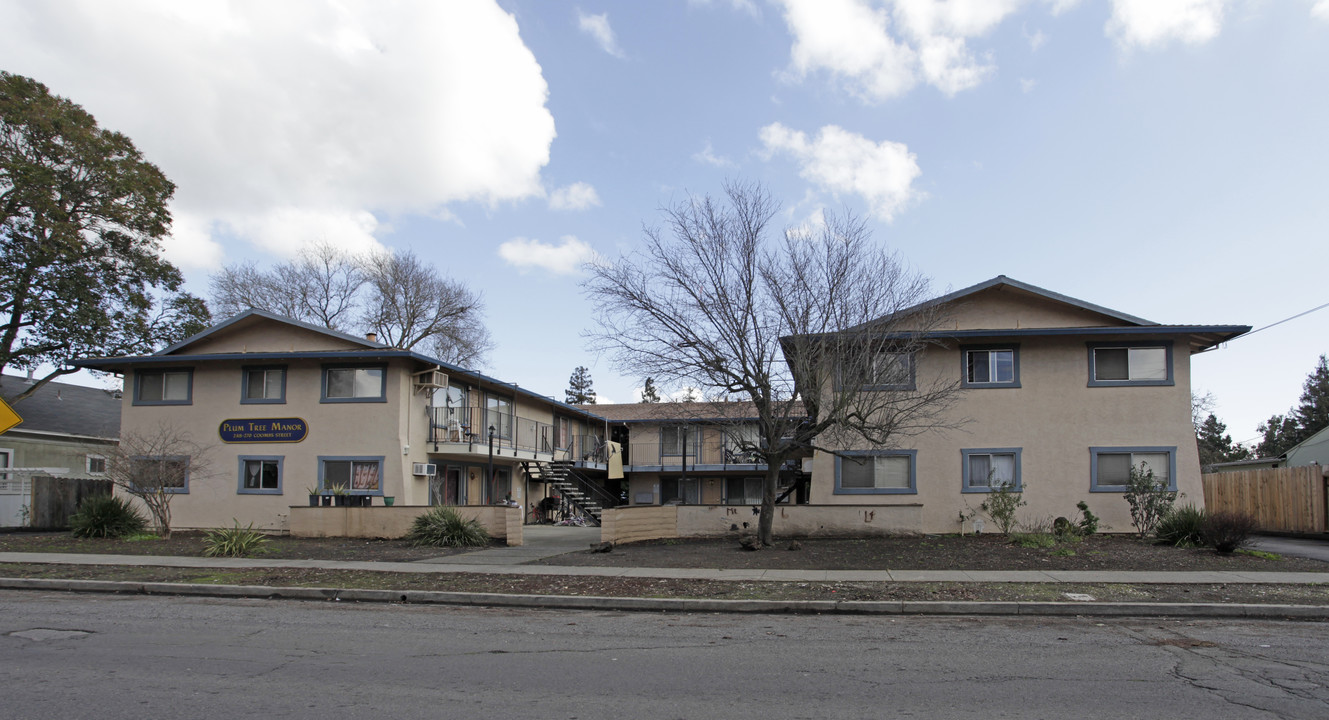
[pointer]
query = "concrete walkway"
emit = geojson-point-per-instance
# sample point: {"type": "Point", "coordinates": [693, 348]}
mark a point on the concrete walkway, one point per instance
{"type": "Point", "coordinates": [508, 567]}
{"type": "Point", "coordinates": [538, 542]}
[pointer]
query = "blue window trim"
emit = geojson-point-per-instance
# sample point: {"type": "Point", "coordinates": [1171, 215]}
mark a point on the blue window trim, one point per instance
{"type": "Point", "coordinates": [323, 383]}
{"type": "Point", "coordinates": [964, 365]}
{"type": "Point", "coordinates": [1165, 344]}
{"type": "Point", "coordinates": [281, 475]}
{"type": "Point", "coordinates": [183, 490]}
{"type": "Point", "coordinates": [913, 374]}
{"type": "Point", "coordinates": [1094, 452]}
{"type": "Point", "coordinates": [965, 487]}
{"type": "Point", "coordinates": [322, 459]}
{"type": "Point", "coordinates": [244, 385]}
{"type": "Point", "coordinates": [189, 395]}
{"type": "Point", "coordinates": [913, 473]}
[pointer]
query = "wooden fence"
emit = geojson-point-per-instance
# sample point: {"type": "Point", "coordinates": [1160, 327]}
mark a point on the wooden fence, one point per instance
{"type": "Point", "coordinates": [54, 499]}
{"type": "Point", "coordinates": [1290, 499]}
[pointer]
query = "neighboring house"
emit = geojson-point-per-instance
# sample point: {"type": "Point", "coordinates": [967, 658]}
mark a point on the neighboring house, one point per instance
{"type": "Point", "coordinates": [293, 407]}
{"type": "Point", "coordinates": [66, 430]}
{"type": "Point", "coordinates": [690, 453]}
{"type": "Point", "coordinates": [1060, 399]}
{"type": "Point", "coordinates": [1314, 450]}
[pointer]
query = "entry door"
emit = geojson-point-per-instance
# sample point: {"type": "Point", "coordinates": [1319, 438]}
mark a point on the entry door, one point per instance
{"type": "Point", "coordinates": [448, 488]}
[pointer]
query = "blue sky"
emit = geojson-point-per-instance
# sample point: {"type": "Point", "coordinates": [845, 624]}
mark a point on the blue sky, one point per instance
{"type": "Point", "coordinates": [1163, 158]}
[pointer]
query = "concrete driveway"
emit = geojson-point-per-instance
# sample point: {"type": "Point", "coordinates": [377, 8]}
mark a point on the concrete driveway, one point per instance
{"type": "Point", "coordinates": [1313, 548]}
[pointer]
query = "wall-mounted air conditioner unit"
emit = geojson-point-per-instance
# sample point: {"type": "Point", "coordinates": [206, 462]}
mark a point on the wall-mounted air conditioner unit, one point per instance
{"type": "Point", "coordinates": [430, 379]}
{"type": "Point", "coordinates": [426, 469]}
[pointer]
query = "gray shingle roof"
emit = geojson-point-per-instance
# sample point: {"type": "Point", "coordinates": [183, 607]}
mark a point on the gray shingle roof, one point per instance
{"type": "Point", "coordinates": [64, 409]}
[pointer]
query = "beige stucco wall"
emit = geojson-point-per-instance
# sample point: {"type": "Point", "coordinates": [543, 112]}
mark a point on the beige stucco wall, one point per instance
{"type": "Point", "coordinates": [1054, 418]}
{"type": "Point", "coordinates": [633, 524]}
{"type": "Point", "coordinates": [394, 522]}
{"type": "Point", "coordinates": [256, 335]}
{"type": "Point", "coordinates": [1007, 308]}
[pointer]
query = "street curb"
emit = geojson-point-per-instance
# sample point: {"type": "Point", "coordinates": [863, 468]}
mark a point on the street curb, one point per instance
{"type": "Point", "coordinates": [690, 605]}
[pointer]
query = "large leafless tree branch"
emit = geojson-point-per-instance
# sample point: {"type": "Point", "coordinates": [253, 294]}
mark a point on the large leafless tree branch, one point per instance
{"type": "Point", "coordinates": [818, 327]}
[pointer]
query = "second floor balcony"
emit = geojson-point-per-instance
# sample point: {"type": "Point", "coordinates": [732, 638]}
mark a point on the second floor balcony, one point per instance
{"type": "Point", "coordinates": [704, 455]}
{"type": "Point", "coordinates": [467, 431]}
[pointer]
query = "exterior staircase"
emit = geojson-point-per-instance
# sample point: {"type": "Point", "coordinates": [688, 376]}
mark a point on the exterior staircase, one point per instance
{"type": "Point", "coordinates": [575, 489]}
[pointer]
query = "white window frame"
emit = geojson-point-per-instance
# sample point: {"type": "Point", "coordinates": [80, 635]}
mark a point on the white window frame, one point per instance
{"type": "Point", "coordinates": [967, 350]}
{"type": "Point", "coordinates": [87, 464]}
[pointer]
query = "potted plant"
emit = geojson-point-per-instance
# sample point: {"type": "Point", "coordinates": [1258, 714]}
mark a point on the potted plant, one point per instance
{"type": "Point", "coordinates": [313, 496]}
{"type": "Point", "coordinates": [388, 500]}
{"type": "Point", "coordinates": [340, 496]}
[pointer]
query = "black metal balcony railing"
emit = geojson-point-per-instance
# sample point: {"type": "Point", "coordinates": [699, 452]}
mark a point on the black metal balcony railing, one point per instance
{"type": "Point", "coordinates": [716, 453]}
{"type": "Point", "coordinates": [470, 426]}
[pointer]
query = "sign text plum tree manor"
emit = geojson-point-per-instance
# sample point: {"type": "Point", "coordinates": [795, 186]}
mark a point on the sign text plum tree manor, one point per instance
{"type": "Point", "coordinates": [265, 430]}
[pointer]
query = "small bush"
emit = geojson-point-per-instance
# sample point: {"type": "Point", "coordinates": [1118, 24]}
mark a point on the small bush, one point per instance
{"type": "Point", "coordinates": [1149, 498]}
{"type": "Point", "coordinates": [1088, 521]}
{"type": "Point", "coordinates": [443, 527]}
{"type": "Point", "coordinates": [1001, 506]}
{"type": "Point", "coordinates": [1226, 531]}
{"type": "Point", "coordinates": [234, 541]}
{"type": "Point", "coordinates": [106, 516]}
{"type": "Point", "coordinates": [1034, 540]}
{"type": "Point", "coordinates": [1182, 526]}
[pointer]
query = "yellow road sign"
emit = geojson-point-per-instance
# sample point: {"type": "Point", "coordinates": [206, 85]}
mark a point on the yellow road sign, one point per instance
{"type": "Point", "coordinates": [8, 418]}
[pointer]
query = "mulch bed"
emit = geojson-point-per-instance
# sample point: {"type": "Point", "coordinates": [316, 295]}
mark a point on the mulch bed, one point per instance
{"type": "Point", "coordinates": [190, 544]}
{"type": "Point", "coordinates": [940, 552]}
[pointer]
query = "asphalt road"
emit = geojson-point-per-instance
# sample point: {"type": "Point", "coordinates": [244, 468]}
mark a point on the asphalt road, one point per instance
{"type": "Point", "coordinates": [109, 657]}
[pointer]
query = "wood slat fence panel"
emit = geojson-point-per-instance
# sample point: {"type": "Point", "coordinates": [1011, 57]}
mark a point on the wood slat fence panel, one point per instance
{"type": "Point", "coordinates": [54, 499]}
{"type": "Point", "coordinates": [1288, 499]}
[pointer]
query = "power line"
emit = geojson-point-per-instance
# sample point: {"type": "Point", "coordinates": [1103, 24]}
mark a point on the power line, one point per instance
{"type": "Point", "coordinates": [1280, 322]}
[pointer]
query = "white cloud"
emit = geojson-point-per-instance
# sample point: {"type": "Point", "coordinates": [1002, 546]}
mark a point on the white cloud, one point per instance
{"type": "Point", "coordinates": [1321, 10]}
{"type": "Point", "coordinates": [843, 162]}
{"type": "Point", "coordinates": [1036, 40]}
{"type": "Point", "coordinates": [597, 26]}
{"type": "Point", "coordinates": [747, 6]}
{"type": "Point", "coordinates": [1027, 85]}
{"type": "Point", "coordinates": [577, 196]}
{"type": "Point", "coordinates": [707, 156]}
{"type": "Point", "coordinates": [565, 258]}
{"type": "Point", "coordinates": [286, 122]}
{"type": "Point", "coordinates": [1155, 23]}
{"type": "Point", "coordinates": [883, 49]}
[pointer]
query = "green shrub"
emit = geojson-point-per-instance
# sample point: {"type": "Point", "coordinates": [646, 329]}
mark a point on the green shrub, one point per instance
{"type": "Point", "coordinates": [443, 527]}
{"type": "Point", "coordinates": [1001, 505]}
{"type": "Point", "coordinates": [1226, 531]}
{"type": "Point", "coordinates": [1088, 520]}
{"type": "Point", "coordinates": [1034, 540]}
{"type": "Point", "coordinates": [1149, 498]}
{"type": "Point", "coordinates": [1182, 526]}
{"type": "Point", "coordinates": [106, 516]}
{"type": "Point", "coordinates": [234, 541]}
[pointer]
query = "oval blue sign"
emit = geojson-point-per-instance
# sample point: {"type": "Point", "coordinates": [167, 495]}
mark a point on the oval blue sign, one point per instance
{"type": "Point", "coordinates": [265, 430]}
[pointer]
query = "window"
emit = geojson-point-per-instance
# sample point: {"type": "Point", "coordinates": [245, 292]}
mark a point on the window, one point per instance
{"type": "Point", "coordinates": [263, 385]}
{"type": "Point", "coordinates": [1130, 364]}
{"type": "Point", "coordinates": [882, 472]}
{"type": "Point", "coordinates": [168, 473]}
{"type": "Point", "coordinates": [562, 433]}
{"type": "Point", "coordinates": [498, 413]}
{"type": "Point", "coordinates": [742, 491]}
{"type": "Point", "coordinates": [686, 491]}
{"type": "Point", "coordinates": [991, 366]}
{"type": "Point", "coordinates": [355, 384]}
{"type": "Point", "coordinates": [163, 387]}
{"type": "Point", "coordinates": [1111, 467]}
{"type": "Point", "coordinates": [986, 469]}
{"type": "Point", "coordinates": [96, 465]}
{"type": "Point", "coordinates": [884, 370]}
{"type": "Point", "coordinates": [260, 475]}
{"type": "Point", "coordinates": [357, 475]}
{"type": "Point", "coordinates": [677, 440]}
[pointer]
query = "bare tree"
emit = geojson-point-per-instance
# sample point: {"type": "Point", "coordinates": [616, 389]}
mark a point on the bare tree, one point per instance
{"type": "Point", "coordinates": [819, 329]}
{"type": "Point", "coordinates": [396, 295]}
{"type": "Point", "coordinates": [410, 303]}
{"type": "Point", "coordinates": [155, 466]}
{"type": "Point", "coordinates": [321, 286]}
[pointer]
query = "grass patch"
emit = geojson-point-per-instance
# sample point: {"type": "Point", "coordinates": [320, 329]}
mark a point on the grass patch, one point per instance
{"type": "Point", "coordinates": [1260, 554]}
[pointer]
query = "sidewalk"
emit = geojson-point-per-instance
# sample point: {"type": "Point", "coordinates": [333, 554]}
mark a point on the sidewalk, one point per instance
{"type": "Point", "coordinates": [439, 566]}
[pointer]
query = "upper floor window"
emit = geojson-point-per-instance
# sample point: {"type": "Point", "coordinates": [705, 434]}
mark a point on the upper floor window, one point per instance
{"type": "Point", "coordinates": [1110, 467]}
{"type": "Point", "coordinates": [1133, 363]}
{"type": "Point", "coordinates": [882, 370]}
{"type": "Point", "coordinates": [876, 472]}
{"type": "Point", "coordinates": [991, 366]}
{"type": "Point", "coordinates": [678, 440]}
{"type": "Point", "coordinates": [163, 387]}
{"type": "Point", "coordinates": [355, 384]}
{"type": "Point", "coordinates": [263, 385]}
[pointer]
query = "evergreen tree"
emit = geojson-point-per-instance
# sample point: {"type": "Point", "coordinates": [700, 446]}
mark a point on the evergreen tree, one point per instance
{"type": "Point", "coordinates": [648, 392]}
{"type": "Point", "coordinates": [579, 390]}
{"type": "Point", "coordinates": [1216, 445]}
{"type": "Point", "coordinates": [1311, 415]}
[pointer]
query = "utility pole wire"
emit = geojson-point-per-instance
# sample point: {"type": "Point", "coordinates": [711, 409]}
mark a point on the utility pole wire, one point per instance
{"type": "Point", "coordinates": [1280, 322]}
